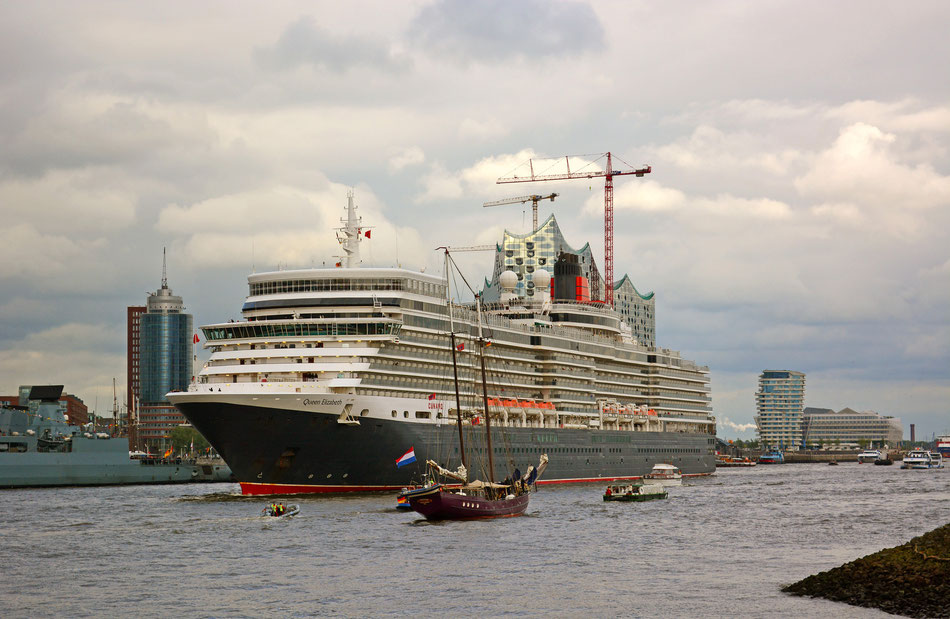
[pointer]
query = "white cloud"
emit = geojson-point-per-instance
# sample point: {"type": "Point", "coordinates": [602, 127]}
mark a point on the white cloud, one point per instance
{"type": "Point", "coordinates": [69, 202]}
{"type": "Point", "coordinates": [286, 226]}
{"type": "Point", "coordinates": [860, 168]}
{"type": "Point", "coordinates": [639, 196]}
{"type": "Point", "coordinates": [27, 253]}
{"type": "Point", "coordinates": [488, 129]}
{"type": "Point", "coordinates": [405, 157]}
{"type": "Point", "coordinates": [711, 149]}
{"type": "Point", "coordinates": [81, 356]}
{"type": "Point", "coordinates": [477, 180]}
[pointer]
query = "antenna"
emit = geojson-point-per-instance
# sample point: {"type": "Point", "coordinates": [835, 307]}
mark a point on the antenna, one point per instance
{"type": "Point", "coordinates": [164, 271]}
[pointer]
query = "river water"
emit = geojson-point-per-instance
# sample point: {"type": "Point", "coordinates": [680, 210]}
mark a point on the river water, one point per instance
{"type": "Point", "coordinates": [720, 546]}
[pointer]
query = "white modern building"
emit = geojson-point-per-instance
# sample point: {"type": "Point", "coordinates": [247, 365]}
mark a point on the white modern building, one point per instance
{"type": "Point", "coordinates": [823, 426]}
{"type": "Point", "coordinates": [779, 405]}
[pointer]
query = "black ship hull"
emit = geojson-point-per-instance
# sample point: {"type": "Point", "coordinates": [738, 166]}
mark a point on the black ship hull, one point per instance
{"type": "Point", "coordinates": [285, 451]}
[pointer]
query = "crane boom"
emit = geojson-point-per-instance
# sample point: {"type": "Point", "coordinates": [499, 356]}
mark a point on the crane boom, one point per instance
{"type": "Point", "coordinates": [587, 171]}
{"type": "Point", "coordinates": [492, 247]}
{"type": "Point", "coordinates": [534, 199]}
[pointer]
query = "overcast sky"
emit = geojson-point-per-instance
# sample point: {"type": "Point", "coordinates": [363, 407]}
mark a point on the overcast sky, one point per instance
{"type": "Point", "coordinates": [797, 215]}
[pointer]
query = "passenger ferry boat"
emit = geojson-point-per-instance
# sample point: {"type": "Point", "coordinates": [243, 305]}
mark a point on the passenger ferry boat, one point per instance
{"type": "Point", "coordinates": [334, 373]}
{"type": "Point", "coordinates": [869, 455]}
{"type": "Point", "coordinates": [943, 446]}
{"type": "Point", "coordinates": [922, 459]}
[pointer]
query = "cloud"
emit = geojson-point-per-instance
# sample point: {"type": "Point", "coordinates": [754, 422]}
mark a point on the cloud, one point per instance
{"type": "Point", "coordinates": [738, 427]}
{"type": "Point", "coordinates": [710, 148]}
{"type": "Point", "coordinates": [861, 168]}
{"type": "Point", "coordinates": [905, 115]}
{"type": "Point", "coordinates": [307, 43]}
{"type": "Point", "coordinates": [284, 226]}
{"type": "Point", "coordinates": [497, 30]}
{"type": "Point", "coordinates": [488, 129]}
{"type": "Point", "coordinates": [639, 196]}
{"type": "Point", "coordinates": [82, 356]}
{"type": "Point", "coordinates": [405, 157]}
{"type": "Point", "coordinates": [477, 180]}
{"type": "Point", "coordinates": [69, 202]}
{"type": "Point", "coordinates": [26, 253]}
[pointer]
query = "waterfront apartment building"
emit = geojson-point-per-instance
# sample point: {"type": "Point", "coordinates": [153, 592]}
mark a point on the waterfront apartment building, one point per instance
{"type": "Point", "coordinates": [543, 248]}
{"type": "Point", "coordinates": [823, 426]}
{"type": "Point", "coordinates": [159, 361]}
{"type": "Point", "coordinates": [779, 405]}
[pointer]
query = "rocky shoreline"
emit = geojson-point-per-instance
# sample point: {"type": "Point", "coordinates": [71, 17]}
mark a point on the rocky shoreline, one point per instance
{"type": "Point", "coordinates": [912, 580]}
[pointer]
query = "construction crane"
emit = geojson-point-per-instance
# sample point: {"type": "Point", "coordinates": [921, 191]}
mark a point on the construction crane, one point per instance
{"type": "Point", "coordinates": [522, 199]}
{"type": "Point", "coordinates": [491, 247]}
{"type": "Point", "coordinates": [589, 170]}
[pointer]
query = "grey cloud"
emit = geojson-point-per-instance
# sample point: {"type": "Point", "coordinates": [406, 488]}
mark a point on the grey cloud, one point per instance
{"type": "Point", "coordinates": [498, 29]}
{"type": "Point", "coordinates": [305, 42]}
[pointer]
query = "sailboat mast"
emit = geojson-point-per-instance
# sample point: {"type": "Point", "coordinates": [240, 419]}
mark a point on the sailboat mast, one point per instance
{"type": "Point", "coordinates": [455, 367]}
{"type": "Point", "coordinates": [481, 354]}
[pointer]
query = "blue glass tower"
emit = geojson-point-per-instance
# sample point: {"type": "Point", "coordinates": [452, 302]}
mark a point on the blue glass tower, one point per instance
{"type": "Point", "coordinates": [164, 346]}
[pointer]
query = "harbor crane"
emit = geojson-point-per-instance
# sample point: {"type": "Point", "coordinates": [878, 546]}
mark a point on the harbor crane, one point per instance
{"type": "Point", "coordinates": [491, 247]}
{"type": "Point", "coordinates": [589, 169]}
{"type": "Point", "coordinates": [522, 199]}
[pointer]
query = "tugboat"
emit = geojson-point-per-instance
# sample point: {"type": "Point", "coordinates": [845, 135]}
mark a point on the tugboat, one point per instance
{"type": "Point", "coordinates": [635, 492]}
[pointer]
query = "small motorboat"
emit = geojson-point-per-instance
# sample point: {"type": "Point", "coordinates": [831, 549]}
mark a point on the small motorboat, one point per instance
{"type": "Point", "coordinates": [279, 510]}
{"type": "Point", "coordinates": [402, 501]}
{"type": "Point", "coordinates": [884, 460]}
{"type": "Point", "coordinates": [635, 492]}
{"type": "Point", "coordinates": [664, 475]}
{"type": "Point", "coordinates": [833, 463]}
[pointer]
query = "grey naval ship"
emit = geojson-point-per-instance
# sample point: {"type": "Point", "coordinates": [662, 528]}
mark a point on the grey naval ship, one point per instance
{"type": "Point", "coordinates": [38, 447]}
{"type": "Point", "coordinates": [334, 374]}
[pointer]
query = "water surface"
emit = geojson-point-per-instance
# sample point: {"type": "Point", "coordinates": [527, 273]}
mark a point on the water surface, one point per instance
{"type": "Point", "coordinates": [720, 546]}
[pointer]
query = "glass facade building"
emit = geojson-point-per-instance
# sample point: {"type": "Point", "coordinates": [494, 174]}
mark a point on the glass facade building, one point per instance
{"type": "Point", "coordinates": [779, 405]}
{"type": "Point", "coordinates": [165, 351]}
{"type": "Point", "coordinates": [160, 360]}
{"type": "Point", "coordinates": [523, 254]}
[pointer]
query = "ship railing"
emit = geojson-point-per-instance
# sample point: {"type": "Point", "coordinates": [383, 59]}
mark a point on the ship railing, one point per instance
{"type": "Point", "coordinates": [278, 386]}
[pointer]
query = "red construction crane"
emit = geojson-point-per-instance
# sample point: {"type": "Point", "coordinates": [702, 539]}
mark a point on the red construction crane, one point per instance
{"type": "Point", "coordinates": [589, 169]}
{"type": "Point", "coordinates": [534, 199]}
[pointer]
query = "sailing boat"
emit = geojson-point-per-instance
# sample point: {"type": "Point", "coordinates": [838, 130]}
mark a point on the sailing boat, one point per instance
{"type": "Point", "coordinates": [474, 499]}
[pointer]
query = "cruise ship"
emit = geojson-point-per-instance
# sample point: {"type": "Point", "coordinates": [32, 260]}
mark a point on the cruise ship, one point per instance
{"type": "Point", "coordinates": [333, 374]}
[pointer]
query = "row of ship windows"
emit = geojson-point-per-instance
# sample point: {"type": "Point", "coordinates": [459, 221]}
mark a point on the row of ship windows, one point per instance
{"type": "Point", "coordinates": [335, 284]}
{"type": "Point", "coordinates": [298, 329]}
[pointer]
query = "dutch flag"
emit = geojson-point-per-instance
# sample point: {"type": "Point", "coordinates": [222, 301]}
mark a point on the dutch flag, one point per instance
{"type": "Point", "coordinates": [407, 458]}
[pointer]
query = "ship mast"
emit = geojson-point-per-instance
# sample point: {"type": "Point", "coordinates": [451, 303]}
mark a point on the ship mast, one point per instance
{"type": "Point", "coordinates": [455, 368]}
{"type": "Point", "coordinates": [481, 354]}
{"type": "Point", "coordinates": [349, 235]}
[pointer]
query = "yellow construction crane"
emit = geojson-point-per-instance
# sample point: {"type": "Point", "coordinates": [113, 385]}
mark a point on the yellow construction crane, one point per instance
{"type": "Point", "coordinates": [522, 199]}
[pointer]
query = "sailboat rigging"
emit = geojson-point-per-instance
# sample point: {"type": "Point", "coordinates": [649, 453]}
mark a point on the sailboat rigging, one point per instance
{"type": "Point", "coordinates": [476, 498]}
